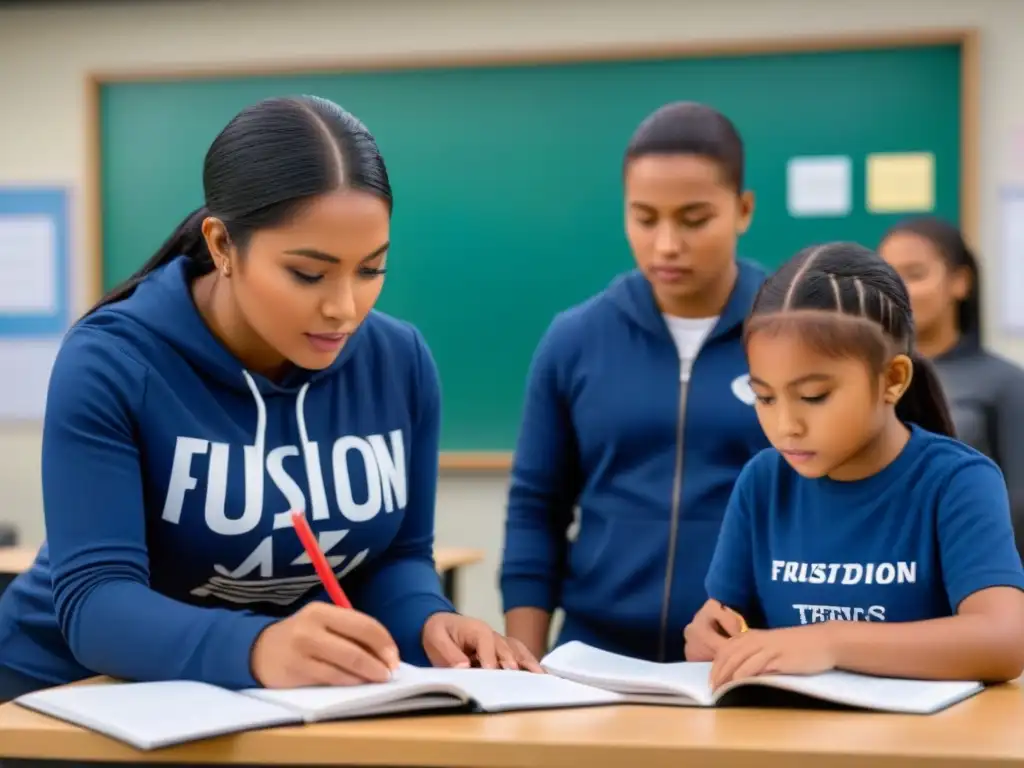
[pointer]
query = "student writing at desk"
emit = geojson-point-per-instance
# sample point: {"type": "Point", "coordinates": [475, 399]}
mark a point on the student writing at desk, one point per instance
{"type": "Point", "coordinates": [638, 409]}
{"type": "Point", "coordinates": [866, 539]}
{"type": "Point", "coordinates": [239, 374]}
{"type": "Point", "coordinates": [985, 391]}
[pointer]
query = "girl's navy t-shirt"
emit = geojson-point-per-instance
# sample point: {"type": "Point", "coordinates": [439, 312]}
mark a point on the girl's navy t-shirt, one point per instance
{"type": "Point", "coordinates": [907, 544]}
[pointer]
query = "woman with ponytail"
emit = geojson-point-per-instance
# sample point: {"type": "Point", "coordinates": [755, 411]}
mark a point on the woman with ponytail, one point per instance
{"type": "Point", "coordinates": [241, 374]}
{"type": "Point", "coordinates": [985, 391]}
{"type": "Point", "coordinates": [866, 539]}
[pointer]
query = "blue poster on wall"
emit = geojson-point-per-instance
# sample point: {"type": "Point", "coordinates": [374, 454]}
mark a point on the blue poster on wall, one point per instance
{"type": "Point", "coordinates": [35, 288]}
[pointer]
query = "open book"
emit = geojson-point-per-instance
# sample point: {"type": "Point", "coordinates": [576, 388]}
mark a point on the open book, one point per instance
{"type": "Point", "coordinates": [160, 714]}
{"type": "Point", "coordinates": [687, 683]}
{"type": "Point", "coordinates": [152, 715]}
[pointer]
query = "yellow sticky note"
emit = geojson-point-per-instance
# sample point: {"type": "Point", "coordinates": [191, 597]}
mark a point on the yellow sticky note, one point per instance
{"type": "Point", "coordinates": [901, 182]}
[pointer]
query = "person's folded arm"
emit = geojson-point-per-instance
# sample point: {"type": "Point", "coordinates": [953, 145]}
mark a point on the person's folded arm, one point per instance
{"type": "Point", "coordinates": [984, 580]}
{"type": "Point", "coordinates": [730, 579]}
{"type": "Point", "coordinates": [113, 622]}
{"type": "Point", "coordinates": [546, 479]}
{"type": "Point", "coordinates": [401, 587]}
{"type": "Point", "coordinates": [1007, 426]}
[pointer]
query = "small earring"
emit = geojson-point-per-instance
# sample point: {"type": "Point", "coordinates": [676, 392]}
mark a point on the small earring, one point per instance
{"type": "Point", "coordinates": [226, 269]}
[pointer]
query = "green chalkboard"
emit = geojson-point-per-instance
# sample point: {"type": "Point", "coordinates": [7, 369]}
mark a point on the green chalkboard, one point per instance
{"type": "Point", "coordinates": [507, 180]}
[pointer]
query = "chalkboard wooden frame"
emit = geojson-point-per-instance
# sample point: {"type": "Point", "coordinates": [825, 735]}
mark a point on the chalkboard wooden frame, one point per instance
{"type": "Point", "coordinates": [968, 39]}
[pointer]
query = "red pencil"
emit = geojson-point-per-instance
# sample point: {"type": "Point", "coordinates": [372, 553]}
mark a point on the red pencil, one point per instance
{"type": "Point", "coordinates": [319, 560]}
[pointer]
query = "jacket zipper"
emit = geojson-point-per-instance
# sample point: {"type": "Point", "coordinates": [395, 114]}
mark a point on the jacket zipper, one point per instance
{"type": "Point", "coordinates": [673, 529]}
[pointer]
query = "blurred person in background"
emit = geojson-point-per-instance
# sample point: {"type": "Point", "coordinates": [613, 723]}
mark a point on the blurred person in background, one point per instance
{"type": "Point", "coordinates": [985, 391]}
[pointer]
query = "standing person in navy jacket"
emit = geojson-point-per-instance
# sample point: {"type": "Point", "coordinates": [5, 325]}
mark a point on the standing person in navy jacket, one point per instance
{"type": "Point", "coordinates": [638, 409]}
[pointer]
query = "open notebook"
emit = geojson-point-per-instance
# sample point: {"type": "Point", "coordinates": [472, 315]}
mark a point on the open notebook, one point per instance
{"type": "Point", "coordinates": [153, 715]}
{"type": "Point", "coordinates": [686, 683]}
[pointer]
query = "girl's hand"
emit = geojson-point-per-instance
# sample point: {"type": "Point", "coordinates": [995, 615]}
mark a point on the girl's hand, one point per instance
{"type": "Point", "coordinates": [805, 650]}
{"type": "Point", "coordinates": [710, 629]}
{"type": "Point", "coordinates": [451, 640]}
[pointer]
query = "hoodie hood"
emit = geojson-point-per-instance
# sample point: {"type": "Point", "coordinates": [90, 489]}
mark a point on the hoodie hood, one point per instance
{"type": "Point", "coordinates": [632, 294]}
{"type": "Point", "coordinates": [163, 305]}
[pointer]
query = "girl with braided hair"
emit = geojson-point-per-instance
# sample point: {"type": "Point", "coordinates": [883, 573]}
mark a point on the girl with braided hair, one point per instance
{"type": "Point", "coordinates": [866, 538]}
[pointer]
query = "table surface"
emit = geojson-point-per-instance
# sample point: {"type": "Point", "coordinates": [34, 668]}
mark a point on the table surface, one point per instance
{"type": "Point", "coordinates": [18, 559]}
{"type": "Point", "coordinates": [449, 558]}
{"type": "Point", "coordinates": [987, 730]}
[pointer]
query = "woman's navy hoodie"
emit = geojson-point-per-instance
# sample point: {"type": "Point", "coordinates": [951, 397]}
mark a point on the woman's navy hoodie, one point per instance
{"type": "Point", "coordinates": [169, 472]}
{"type": "Point", "coordinates": [649, 461]}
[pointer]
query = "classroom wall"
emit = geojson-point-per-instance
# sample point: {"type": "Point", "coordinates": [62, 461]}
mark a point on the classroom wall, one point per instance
{"type": "Point", "coordinates": [45, 53]}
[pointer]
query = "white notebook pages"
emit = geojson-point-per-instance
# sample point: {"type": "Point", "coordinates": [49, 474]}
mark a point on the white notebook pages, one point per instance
{"type": "Point", "coordinates": [416, 688]}
{"type": "Point", "coordinates": [153, 715]}
{"type": "Point", "coordinates": [687, 683]}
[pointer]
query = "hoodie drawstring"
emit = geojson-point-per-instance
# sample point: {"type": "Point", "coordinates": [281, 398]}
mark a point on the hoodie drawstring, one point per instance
{"type": "Point", "coordinates": [310, 455]}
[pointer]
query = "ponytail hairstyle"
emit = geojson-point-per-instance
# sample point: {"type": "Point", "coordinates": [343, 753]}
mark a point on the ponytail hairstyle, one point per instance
{"type": "Point", "coordinates": [847, 301]}
{"type": "Point", "coordinates": [270, 160]}
{"type": "Point", "coordinates": [949, 242]}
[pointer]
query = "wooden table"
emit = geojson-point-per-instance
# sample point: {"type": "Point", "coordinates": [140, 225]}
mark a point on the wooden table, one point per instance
{"type": "Point", "coordinates": [449, 560]}
{"type": "Point", "coordinates": [14, 560]}
{"type": "Point", "coordinates": [987, 730]}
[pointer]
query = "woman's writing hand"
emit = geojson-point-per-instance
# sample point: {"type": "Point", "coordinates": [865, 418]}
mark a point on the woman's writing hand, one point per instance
{"type": "Point", "coordinates": [323, 644]}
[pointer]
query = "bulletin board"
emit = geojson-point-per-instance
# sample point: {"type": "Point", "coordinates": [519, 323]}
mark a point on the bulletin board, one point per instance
{"type": "Point", "coordinates": [35, 302]}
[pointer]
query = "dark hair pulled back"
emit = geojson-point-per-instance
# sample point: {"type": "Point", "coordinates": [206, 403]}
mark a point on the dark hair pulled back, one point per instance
{"type": "Point", "coordinates": [691, 128]}
{"type": "Point", "coordinates": [949, 241]}
{"type": "Point", "coordinates": [262, 167]}
{"type": "Point", "coordinates": [851, 281]}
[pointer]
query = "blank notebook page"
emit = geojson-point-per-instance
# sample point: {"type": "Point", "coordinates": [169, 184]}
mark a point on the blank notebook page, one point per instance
{"type": "Point", "coordinates": [625, 674]}
{"type": "Point", "coordinates": [494, 690]}
{"type": "Point", "coordinates": [316, 700]}
{"type": "Point", "coordinates": [879, 692]}
{"type": "Point", "coordinates": [497, 690]}
{"type": "Point", "coordinates": [150, 715]}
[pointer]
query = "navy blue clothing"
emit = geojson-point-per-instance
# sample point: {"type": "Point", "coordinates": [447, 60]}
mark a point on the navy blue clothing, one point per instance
{"type": "Point", "coordinates": [650, 460]}
{"type": "Point", "coordinates": [907, 544]}
{"type": "Point", "coordinates": [168, 475]}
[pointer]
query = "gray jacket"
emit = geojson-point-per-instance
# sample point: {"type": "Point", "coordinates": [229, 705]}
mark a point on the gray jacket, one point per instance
{"type": "Point", "coordinates": [986, 397]}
